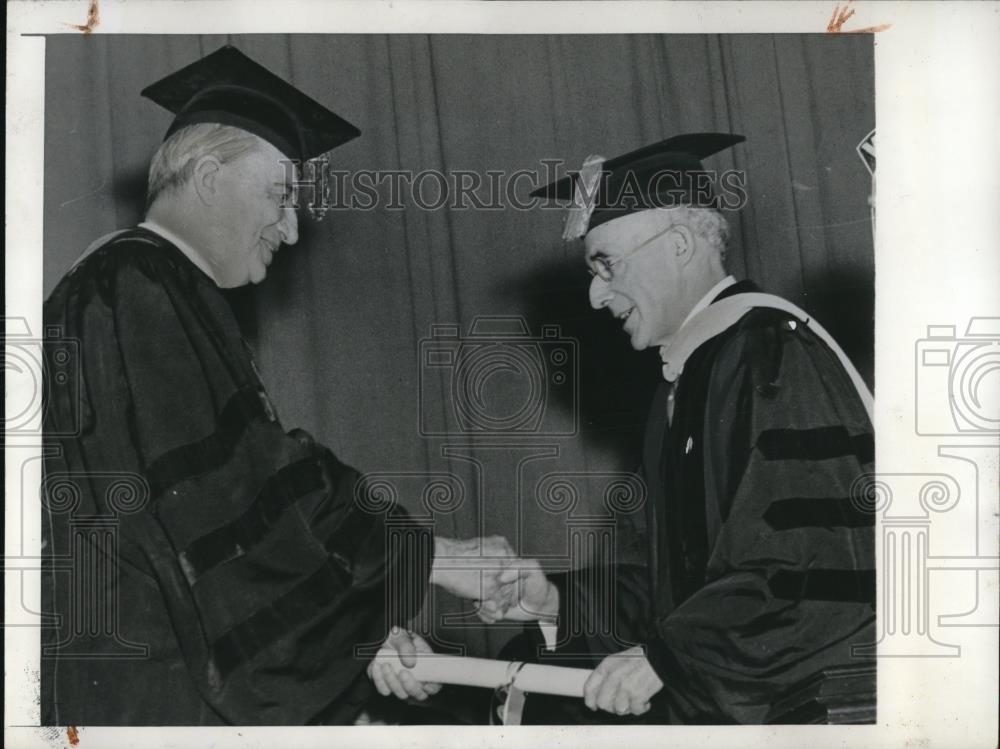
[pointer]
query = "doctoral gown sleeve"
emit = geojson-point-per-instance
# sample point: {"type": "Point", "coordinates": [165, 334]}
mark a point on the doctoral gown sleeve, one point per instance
{"type": "Point", "coordinates": [274, 577]}
{"type": "Point", "coordinates": [790, 578]}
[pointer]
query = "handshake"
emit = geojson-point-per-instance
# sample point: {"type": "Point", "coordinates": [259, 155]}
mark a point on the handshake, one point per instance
{"type": "Point", "coordinates": [503, 585]}
{"type": "Point", "coordinates": [485, 570]}
{"type": "Point", "coordinates": [506, 587]}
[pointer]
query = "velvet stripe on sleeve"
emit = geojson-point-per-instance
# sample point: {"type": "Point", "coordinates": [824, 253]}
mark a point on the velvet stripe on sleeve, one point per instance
{"type": "Point", "coordinates": [250, 573]}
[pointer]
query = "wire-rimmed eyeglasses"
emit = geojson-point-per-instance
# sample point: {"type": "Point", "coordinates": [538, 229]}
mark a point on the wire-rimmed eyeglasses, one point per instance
{"type": "Point", "coordinates": [603, 267]}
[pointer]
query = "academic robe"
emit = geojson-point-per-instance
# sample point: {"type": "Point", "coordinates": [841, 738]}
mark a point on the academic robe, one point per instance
{"type": "Point", "coordinates": [205, 566]}
{"type": "Point", "coordinates": [760, 569]}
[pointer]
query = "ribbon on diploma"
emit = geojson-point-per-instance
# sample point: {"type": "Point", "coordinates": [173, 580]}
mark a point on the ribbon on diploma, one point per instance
{"type": "Point", "coordinates": [491, 674]}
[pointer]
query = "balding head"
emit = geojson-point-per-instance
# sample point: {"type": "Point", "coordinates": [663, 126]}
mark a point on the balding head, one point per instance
{"type": "Point", "coordinates": [225, 192]}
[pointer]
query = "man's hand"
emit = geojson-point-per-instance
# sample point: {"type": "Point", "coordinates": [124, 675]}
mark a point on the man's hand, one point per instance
{"type": "Point", "coordinates": [474, 569]}
{"type": "Point", "coordinates": [623, 684]}
{"type": "Point", "coordinates": [402, 684]}
{"type": "Point", "coordinates": [504, 586]}
{"type": "Point", "coordinates": [529, 596]}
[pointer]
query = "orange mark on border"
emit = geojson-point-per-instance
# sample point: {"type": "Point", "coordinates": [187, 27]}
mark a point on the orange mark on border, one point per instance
{"type": "Point", "coordinates": [93, 18]}
{"type": "Point", "coordinates": [73, 735]}
{"type": "Point", "coordinates": [842, 15]}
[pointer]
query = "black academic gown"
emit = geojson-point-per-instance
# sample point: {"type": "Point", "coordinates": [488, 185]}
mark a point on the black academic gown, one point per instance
{"type": "Point", "coordinates": [761, 568]}
{"type": "Point", "coordinates": [232, 576]}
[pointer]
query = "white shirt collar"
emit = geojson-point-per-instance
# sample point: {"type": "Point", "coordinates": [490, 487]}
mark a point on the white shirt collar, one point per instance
{"type": "Point", "coordinates": [189, 252]}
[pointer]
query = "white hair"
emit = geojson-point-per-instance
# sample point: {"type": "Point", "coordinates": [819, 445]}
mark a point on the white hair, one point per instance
{"type": "Point", "coordinates": [173, 163]}
{"type": "Point", "coordinates": [707, 223]}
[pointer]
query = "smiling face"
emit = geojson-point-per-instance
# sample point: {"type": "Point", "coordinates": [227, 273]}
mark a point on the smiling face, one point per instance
{"type": "Point", "coordinates": [646, 275]}
{"type": "Point", "coordinates": [248, 220]}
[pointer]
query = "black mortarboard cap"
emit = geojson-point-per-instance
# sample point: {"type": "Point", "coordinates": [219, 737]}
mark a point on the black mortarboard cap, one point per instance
{"type": "Point", "coordinates": [661, 175]}
{"type": "Point", "coordinates": [229, 88]}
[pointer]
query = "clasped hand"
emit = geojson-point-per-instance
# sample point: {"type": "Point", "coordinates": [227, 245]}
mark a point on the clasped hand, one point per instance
{"type": "Point", "coordinates": [622, 683]}
{"type": "Point", "coordinates": [484, 570]}
{"type": "Point", "coordinates": [400, 682]}
{"type": "Point", "coordinates": [488, 571]}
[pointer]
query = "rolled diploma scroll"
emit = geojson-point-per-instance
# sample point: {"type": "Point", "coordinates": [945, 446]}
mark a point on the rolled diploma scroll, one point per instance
{"type": "Point", "coordinates": [488, 673]}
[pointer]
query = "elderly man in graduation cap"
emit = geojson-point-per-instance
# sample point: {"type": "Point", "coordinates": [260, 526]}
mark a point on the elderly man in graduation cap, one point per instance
{"type": "Point", "coordinates": [760, 570]}
{"type": "Point", "coordinates": [241, 587]}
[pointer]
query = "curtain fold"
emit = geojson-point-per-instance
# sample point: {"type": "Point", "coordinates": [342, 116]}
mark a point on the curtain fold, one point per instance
{"type": "Point", "coordinates": [343, 324]}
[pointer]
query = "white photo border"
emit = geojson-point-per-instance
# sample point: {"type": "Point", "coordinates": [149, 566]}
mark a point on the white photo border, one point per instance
{"type": "Point", "coordinates": [937, 262]}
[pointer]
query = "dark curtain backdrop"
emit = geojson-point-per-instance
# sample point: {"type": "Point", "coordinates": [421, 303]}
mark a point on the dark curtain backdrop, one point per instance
{"type": "Point", "coordinates": [339, 322]}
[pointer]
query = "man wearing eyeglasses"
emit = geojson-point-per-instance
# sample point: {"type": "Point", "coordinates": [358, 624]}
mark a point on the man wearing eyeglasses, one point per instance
{"type": "Point", "coordinates": [760, 569]}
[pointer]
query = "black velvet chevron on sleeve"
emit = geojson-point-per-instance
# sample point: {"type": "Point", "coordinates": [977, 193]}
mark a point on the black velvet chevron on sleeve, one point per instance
{"type": "Point", "coordinates": [252, 577]}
